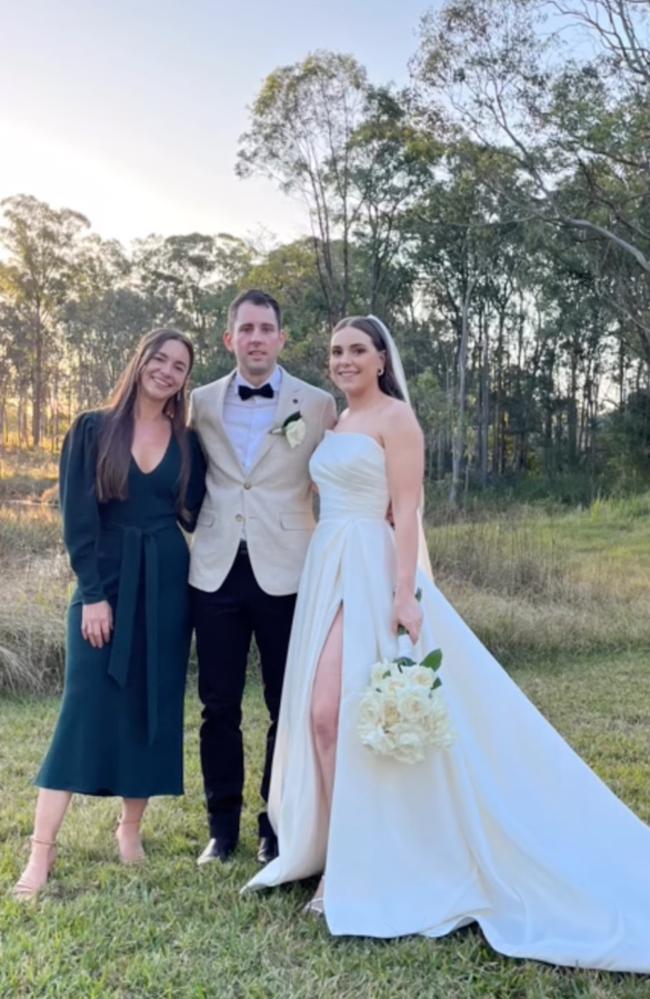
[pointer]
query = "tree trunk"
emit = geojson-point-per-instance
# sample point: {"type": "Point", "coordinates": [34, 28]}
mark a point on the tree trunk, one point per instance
{"type": "Point", "coordinates": [484, 422]}
{"type": "Point", "coordinates": [37, 382]}
{"type": "Point", "coordinates": [572, 413]}
{"type": "Point", "coordinates": [459, 435]}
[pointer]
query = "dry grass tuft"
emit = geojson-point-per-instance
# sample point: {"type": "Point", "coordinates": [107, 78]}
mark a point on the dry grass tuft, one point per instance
{"type": "Point", "coordinates": [33, 597]}
{"type": "Point", "coordinates": [535, 588]}
{"type": "Point", "coordinates": [26, 474]}
{"type": "Point", "coordinates": [504, 556]}
{"type": "Point", "coordinates": [549, 587]}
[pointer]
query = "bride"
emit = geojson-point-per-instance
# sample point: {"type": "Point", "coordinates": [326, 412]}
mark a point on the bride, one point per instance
{"type": "Point", "coordinates": [508, 828]}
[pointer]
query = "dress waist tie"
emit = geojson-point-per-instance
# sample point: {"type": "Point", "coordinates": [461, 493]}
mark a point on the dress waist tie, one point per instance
{"type": "Point", "coordinates": [138, 543]}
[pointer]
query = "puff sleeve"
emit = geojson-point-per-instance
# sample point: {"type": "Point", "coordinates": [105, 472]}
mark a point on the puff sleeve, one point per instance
{"type": "Point", "coordinates": [79, 504]}
{"type": "Point", "coordinates": [196, 482]}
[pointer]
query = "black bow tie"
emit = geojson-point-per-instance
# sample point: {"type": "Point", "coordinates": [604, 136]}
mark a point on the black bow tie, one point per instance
{"type": "Point", "coordinates": [245, 391]}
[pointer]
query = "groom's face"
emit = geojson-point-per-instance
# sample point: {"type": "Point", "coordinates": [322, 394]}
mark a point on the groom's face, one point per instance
{"type": "Point", "coordinates": [255, 340]}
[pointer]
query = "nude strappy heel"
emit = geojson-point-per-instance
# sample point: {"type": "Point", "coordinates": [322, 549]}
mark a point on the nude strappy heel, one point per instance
{"type": "Point", "coordinates": [27, 887]}
{"type": "Point", "coordinates": [316, 905]}
{"type": "Point", "coordinates": [137, 856]}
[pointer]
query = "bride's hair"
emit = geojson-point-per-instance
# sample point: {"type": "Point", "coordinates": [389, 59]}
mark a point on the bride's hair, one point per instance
{"type": "Point", "coordinates": [387, 381]}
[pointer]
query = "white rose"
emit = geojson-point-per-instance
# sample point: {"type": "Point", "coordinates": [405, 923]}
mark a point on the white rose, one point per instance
{"type": "Point", "coordinates": [415, 707]}
{"type": "Point", "coordinates": [401, 716]}
{"type": "Point", "coordinates": [376, 740]}
{"type": "Point", "coordinates": [370, 712]}
{"type": "Point", "coordinates": [391, 714]}
{"type": "Point", "coordinates": [378, 673]}
{"type": "Point", "coordinates": [439, 732]}
{"type": "Point", "coordinates": [422, 676]}
{"type": "Point", "coordinates": [408, 746]}
{"type": "Point", "coordinates": [295, 432]}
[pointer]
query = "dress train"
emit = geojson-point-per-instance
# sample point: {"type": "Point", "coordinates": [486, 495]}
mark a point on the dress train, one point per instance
{"type": "Point", "coordinates": [509, 827]}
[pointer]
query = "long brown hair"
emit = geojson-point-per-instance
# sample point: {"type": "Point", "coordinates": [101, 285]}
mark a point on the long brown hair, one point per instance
{"type": "Point", "coordinates": [387, 380]}
{"type": "Point", "coordinates": [116, 436]}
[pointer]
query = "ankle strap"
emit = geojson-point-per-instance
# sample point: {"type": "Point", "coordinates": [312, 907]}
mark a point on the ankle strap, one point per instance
{"type": "Point", "coordinates": [43, 842]}
{"type": "Point", "coordinates": [129, 822]}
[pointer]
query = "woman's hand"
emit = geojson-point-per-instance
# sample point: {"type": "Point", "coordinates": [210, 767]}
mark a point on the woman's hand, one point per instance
{"type": "Point", "coordinates": [407, 613]}
{"type": "Point", "coordinates": [97, 623]}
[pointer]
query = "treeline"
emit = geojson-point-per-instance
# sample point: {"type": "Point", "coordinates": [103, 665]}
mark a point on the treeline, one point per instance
{"type": "Point", "coordinates": [496, 213]}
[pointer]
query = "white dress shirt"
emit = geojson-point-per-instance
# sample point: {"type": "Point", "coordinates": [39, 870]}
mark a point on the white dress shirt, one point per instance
{"type": "Point", "coordinates": [248, 422]}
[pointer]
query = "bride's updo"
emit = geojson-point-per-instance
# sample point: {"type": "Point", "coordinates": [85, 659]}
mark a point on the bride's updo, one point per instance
{"type": "Point", "coordinates": [387, 381]}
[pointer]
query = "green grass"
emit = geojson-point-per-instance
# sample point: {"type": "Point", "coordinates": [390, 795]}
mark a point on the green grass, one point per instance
{"type": "Point", "coordinates": [561, 598]}
{"type": "Point", "coordinates": [169, 929]}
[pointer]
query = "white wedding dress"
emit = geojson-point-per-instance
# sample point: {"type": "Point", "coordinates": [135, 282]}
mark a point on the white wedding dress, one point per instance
{"type": "Point", "coordinates": [509, 828]}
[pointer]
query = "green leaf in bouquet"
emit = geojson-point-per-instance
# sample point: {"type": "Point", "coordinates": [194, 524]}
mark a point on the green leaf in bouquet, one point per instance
{"type": "Point", "coordinates": [433, 660]}
{"type": "Point", "coordinates": [436, 683]}
{"type": "Point", "coordinates": [405, 661]}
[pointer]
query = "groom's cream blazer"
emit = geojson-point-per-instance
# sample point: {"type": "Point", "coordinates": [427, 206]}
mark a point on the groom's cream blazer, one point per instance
{"type": "Point", "coordinates": [273, 501]}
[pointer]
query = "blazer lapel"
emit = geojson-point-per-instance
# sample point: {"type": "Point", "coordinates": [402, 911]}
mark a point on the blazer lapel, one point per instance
{"type": "Point", "coordinates": [289, 400]}
{"type": "Point", "coordinates": [222, 387]}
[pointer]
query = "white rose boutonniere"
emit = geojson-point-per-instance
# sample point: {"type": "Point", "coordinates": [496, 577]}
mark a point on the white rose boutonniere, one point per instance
{"type": "Point", "coordinates": [293, 429]}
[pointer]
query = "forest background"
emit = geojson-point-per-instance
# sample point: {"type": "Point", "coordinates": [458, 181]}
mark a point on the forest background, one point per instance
{"type": "Point", "coordinates": [496, 213]}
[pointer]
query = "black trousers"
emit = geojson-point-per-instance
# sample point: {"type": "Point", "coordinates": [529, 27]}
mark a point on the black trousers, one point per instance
{"type": "Point", "coordinates": [225, 622]}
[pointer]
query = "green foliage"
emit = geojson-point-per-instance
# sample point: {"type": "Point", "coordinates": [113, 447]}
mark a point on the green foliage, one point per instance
{"type": "Point", "coordinates": [625, 442]}
{"type": "Point", "coordinates": [496, 214]}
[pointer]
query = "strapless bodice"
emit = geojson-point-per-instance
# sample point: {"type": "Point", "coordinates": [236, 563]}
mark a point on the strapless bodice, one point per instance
{"type": "Point", "coordinates": [350, 472]}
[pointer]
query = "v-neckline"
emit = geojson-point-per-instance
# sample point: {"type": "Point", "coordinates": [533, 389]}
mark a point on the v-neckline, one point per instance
{"type": "Point", "coordinates": [157, 466]}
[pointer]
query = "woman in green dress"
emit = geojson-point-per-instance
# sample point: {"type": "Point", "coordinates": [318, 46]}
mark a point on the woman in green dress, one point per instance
{"type": "Point", "coordinates": [130, 474]}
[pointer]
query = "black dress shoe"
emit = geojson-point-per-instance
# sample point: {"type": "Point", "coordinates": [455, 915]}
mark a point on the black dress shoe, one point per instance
{"type": "Point", "coordinates": [217, 849]}
{"type": "Point", "coordinates": [267, 849]}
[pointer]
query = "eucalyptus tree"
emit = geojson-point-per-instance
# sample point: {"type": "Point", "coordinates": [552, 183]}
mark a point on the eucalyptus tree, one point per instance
{"type": "Point", "coordinates": [188, 281]}
{"type": "Point", "coordinates": [288, 272]}
{"type": "Point", "coordinates": [395, 160]}
{"type": "Point", "coordinates": [178, 275]}
{"type": "Point", "coordinates": [42, 247]}
{"type": "Point", "coordinates": [459, 231]}
{"type": "Point", "coordinates": [301, 126]}
{"type": "Point", "coordinates": [510, 78]}
{"type": "Point", "coordinates": [14, 368]}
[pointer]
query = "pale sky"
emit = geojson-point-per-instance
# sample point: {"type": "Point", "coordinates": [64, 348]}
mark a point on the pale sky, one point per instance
{"type": "Point", "coordinates": [130, 110]}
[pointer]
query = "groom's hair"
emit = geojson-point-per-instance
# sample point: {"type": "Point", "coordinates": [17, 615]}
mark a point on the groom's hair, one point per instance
{"type": "Point", "coordinates": [255, 297]}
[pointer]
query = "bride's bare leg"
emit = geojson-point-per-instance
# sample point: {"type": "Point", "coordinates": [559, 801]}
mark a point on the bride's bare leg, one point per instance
{"type": "Point", "coordinates": [326, 698]}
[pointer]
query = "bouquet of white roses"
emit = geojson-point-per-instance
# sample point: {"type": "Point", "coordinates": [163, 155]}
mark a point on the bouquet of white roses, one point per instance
{"type": "Point", "coordinates": [403, 712]}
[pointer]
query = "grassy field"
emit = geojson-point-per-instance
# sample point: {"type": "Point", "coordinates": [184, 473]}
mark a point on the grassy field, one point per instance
{"type": "Point", "coordinates": [562, 599]}
{"type": "Point", "coordinates": [172, 930]}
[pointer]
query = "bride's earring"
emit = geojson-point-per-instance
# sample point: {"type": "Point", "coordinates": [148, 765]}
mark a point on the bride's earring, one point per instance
{"type": "Point", "coordinates": [380, 373]}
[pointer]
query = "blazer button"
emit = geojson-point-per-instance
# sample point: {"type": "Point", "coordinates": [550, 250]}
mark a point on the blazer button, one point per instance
{"type": "Point", "coordinates": [248, 485]}
{"type": "Point", "coordinates": [238, 516]}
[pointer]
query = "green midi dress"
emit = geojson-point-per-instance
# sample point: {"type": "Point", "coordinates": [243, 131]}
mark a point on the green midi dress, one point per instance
{"type": "Point", "coordinates": [120, 730]}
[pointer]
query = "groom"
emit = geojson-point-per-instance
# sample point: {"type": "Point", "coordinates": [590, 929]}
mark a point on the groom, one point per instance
{"type": "Point", "coordinates": [258, 426]}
